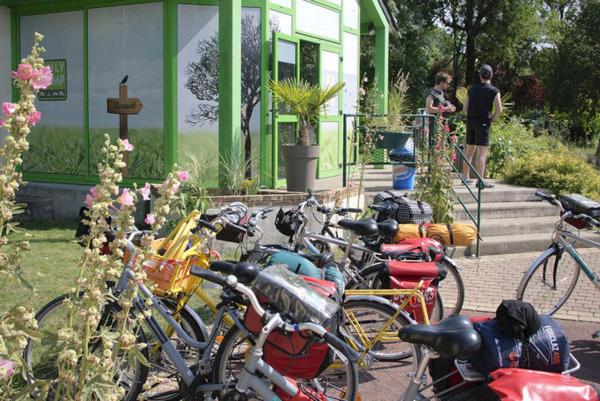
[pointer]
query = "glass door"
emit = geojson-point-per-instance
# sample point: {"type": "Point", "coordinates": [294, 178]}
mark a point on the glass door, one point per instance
{"type": "Point", "coordinates": [285, 66]}
{"type": "Point", "coordinates": [330, 124]}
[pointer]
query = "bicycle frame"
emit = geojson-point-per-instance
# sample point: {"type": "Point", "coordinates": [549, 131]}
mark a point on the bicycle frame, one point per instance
{"type": "Point", "coordinates": [254, 363]}
{"type": "Point", "coordinates": [561, 237]}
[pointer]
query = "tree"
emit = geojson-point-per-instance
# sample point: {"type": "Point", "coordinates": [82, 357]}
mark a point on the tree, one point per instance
{"type": "Point", "coordinates": [203, 81]}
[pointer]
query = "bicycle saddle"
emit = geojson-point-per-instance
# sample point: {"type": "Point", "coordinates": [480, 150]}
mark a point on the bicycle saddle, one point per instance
{"type": "Point", "coordinates": [388, 227]}
{"type": "Point", "coordinates": [245, 272]}
{"type": "Point", "coordinates": [321, 259]}
{"type": "Point", "coordinates": [365, 227]}
{"type": "Point", "coordinates": [451, 338]}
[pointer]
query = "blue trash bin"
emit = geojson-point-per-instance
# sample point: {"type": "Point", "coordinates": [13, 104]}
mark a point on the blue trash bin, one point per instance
{"type": "Point", "coordinates": [403, 177]}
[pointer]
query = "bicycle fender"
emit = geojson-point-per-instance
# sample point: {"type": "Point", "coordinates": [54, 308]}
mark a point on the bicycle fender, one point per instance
{"type": "Point", "coordinates": [532, 266]}
{"type": "Point", "coordinates": [382, 301]}
{"type": "Point", "coordinates": [193, 314]}
{"type": "Point", "coordinates": [451, 262]}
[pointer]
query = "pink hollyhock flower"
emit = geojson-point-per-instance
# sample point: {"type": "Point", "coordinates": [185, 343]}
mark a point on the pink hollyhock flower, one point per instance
{"type": "Point", "coordinates": [42, 78]}
{"type": "Point", "coordinates": [126, 199]}
{"type": "Point", "coordinates": [442, 108]}
{"type": "Point", "coordinates": [34, 118]}
{"type": "Point", "coordinates": [7, 369]}
{"type": "Point", "coordinates": [24, 72]}
{"type": "Point", "coordinates": [453, 157]}
{"type": "Point", "coordinates": [89, 200]}
{"type": "Point", "coordinates": [8, 108]}
{"type": "Point", "coordinates": [183, 176]}
{"type": "Point", "coordinates": [453, 139]}
{"type": "Point", "coordinates": [128, 146]}
{"type": "Point", "coordinates": [175, 188]}
{"type": "Point", "coordinates": [446, 128]}
{"type": "Point", "coordinates": [362, 91]}
{"type": "Point", "coordinates": [149, 219]}
{"type": "Point", "coordinates": [94, 192]}
{"type": "Point", "coordinates": [145, 192]}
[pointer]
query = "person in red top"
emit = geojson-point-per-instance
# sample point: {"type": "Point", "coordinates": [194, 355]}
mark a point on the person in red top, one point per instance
{"type": "Point", "coordinates": [480, 101]}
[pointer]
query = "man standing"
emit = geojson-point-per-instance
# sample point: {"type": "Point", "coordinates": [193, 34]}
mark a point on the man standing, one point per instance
{"type": "Point", "coordinates": [478, 105]}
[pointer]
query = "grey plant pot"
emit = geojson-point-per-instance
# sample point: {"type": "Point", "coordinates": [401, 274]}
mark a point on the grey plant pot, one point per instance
{"type": "Point", "coordinates": [300, 166]}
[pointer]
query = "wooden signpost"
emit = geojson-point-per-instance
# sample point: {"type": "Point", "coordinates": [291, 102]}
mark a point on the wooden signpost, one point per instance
{"type": "Point", "coordinates": [123, 106]}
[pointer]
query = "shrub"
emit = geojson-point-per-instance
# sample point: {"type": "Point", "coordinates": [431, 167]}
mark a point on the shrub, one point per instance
{"type": "Point", "coordinates": [560, 173]}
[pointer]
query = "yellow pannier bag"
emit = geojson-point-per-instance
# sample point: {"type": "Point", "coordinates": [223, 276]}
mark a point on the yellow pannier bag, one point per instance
{"type": "Point", "coordinates": [452, 234]}
{"type": "Point", "coordinates": [410, 231]}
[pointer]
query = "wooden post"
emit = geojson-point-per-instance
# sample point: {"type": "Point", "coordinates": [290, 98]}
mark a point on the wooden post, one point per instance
{"type": "Point", "coordinates": [123, 106]}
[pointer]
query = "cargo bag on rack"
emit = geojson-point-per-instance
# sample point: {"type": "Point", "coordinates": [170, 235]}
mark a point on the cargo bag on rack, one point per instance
{"type": "Point", "coordinates": [418, 248]}
{"type": "Point", "coordinates": [298, 355]}
{"type": "Point", "coordinates": [527, 385]}
{"type": "Point", "coordinates": [407, 231]}
{"type": "Point", "coordinates": [402, 209]}
{"type": "Point", "coordinates": [406, 276]}
{"type": "Point", "coordinates": [497, 350]}
{"type": "Point", "coordinates": [452, 234]}
{"type": "Point", "coordinates": [548, 348]}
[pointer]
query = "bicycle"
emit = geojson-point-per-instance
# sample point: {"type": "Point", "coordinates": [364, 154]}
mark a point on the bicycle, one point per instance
{"type": "Point", "coordinates": [366, 269]}
{"type": "Point", "coordinates": [200, 379]}
{"type": "Point", "coordinates": [456, 340]}
{"type": "Point", "coordinates": [550, 279]}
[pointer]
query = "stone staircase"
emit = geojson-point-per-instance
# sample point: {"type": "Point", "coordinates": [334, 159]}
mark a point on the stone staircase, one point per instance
{"type": "Point", "coordinates": [513, 220]}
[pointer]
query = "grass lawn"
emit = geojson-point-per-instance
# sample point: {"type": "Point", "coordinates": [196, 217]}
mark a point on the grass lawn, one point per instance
{"type": "Point", "coordinates": [51, 266]}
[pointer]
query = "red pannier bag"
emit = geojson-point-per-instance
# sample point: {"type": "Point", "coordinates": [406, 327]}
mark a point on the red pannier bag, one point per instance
{"type": "Point", "coordinates": [298, 355]}
{"type": "Point", "coordinates": [406, 275]}
{"type": "Point", "coordinates": [512, 384]}
{"type": "Point", "coordinates": [423, 248]}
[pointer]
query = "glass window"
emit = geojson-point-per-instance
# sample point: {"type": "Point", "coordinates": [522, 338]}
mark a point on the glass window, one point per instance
{"type": "Point", "coordinates": [280, 22]}
{"type": "Point", "coordinates": [329, 141]}
{"type": "Point", "coordinates": [251, 87]}
{"type": "Point", "coordinates": [286, 65]}
{"type": "Point", "coordinates": [309, 62]}
{"type": "Point", "coordinates": [284, 3]}
{"type": "Point", "coordinates": [318, 20]}
{"type": "Point", "coordinates": [286, 135]}
{"type": "Point", "coordinates": [57, 142]}
{"type": "Point", "coordinates": [330, 64]}
{"type": "Point", "coordinates": [128, 41]}
{"type": "Point", "coordinates": [351, 11]}
{"type": "Point", "coordinates": [350, 67]}
{"type": "Point", "coordinates": [198, 87]}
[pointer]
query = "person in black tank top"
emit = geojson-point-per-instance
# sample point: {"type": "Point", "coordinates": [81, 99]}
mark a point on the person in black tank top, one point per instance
{"type": "Point", "coordinates": [478, 105]}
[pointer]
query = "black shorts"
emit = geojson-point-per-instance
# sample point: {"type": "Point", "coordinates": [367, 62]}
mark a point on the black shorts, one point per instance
{"type": "Point", "coordinates": [478, 133]}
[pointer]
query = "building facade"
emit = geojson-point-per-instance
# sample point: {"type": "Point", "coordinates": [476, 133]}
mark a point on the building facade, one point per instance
{"type": "Point", "coordinates": [201, 68]}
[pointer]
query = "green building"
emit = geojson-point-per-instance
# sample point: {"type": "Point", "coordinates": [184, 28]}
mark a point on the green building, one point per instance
{"type": "Point", "coordinates": [201, 69]}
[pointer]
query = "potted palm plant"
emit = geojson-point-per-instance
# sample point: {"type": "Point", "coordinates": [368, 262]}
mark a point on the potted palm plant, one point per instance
{"type": "Point", "coordinates": [306, 102]}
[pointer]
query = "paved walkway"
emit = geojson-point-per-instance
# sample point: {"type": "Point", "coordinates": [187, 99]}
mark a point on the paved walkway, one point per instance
{"type": "Point", "coordinates": [490, 279]}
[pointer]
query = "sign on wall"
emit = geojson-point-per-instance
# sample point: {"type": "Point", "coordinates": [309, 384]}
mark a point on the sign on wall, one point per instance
{"type": "Point", "coordinates": [58, 89]}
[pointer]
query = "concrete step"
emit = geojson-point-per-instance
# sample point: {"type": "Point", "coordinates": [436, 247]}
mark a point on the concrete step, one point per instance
{"type": "Point", "coordinates": [506, 210]}
{"type": "Point", "coordinates": [508, 244]}
{"type": "Point", "coordinates": [500, 193]}
{"type": "Point", "coordinates": [516, 226]}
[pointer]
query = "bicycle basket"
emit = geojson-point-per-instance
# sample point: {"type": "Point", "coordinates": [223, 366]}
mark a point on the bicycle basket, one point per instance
{"type": "Point", "coordinates": [287, 223]}
{"type": "Point", "coordinates": [292, 295]}
{"type": "Point", "coordinates": [236, 214]}
{"type": "Point", "coordinates": [171, 276]}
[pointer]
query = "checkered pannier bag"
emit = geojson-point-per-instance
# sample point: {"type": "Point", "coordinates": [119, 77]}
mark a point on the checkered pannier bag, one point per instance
{"type": "Point", "coordinates": [402, 209]}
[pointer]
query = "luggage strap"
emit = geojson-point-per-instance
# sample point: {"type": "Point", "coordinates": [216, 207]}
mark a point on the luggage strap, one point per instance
{"type": "Point", "coordinates": [450, 234]}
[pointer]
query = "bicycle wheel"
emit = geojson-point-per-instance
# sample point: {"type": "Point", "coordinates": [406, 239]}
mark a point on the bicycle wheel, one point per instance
{"type": "Point", "coordinates": [41, 356]}
{"type": "Point", "coordinates": [451, 288]}
{"type": "Point", "coordinates": [339, 381]}
{"type": "Point", "coordinates": [374, 277]}
{"type": "Point", "coordinates": [364, 318]}
{"type": "Point", "coordinates": [162, 383]}
{"type": "Point", "coordinates": [549, 281]}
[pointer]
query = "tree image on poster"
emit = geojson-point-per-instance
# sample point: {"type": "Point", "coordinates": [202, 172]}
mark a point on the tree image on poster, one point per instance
{"type": "Point", "coordinates": [203, 81]}
{"type": "Point", "coordinates": [58, 89]}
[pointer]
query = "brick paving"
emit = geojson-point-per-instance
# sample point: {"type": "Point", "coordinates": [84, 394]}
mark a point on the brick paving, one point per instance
{"type": "Point", "coordinates": [490, 279]}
